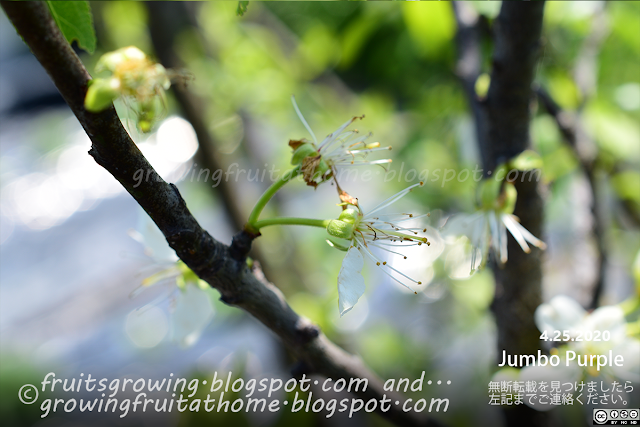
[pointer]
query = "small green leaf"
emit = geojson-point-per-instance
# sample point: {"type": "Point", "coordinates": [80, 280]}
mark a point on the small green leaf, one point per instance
{"type": "Point", "coordinates": [482, 85]}
{"type": "Point", "coordinates": [75, 21]}
{"type": "Point", "coordinates": [527, 160]}
{"type": "Point", "coordinates": [242, 8]}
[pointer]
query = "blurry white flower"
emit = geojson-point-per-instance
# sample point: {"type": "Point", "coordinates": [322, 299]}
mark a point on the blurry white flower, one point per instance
{"type": "Point", "coordinates": [358, 233]}
{"type": "Point", "coordinates": [598, 332]}
{"type": "Point", "coordinates": [603, 332]}
{"type": "Point", "coordinates": [340, 148]}
{"type": "Point", "coordinates": [487, 228]}
{"type": "Point", "coordinates": [190, 305]}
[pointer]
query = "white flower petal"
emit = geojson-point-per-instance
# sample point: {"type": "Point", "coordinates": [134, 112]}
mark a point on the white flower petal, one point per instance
{"type": "Point", "coordinates": [608, 318]}
{"type": "Point", "coordinates": [494, 226]}
{"type": "Point", "coordinates": [193, 312]}
{"type": "Point", "coordinates": [630, 369]}
{"type": "Point", "coordinates": [527, 235]}
{"type": "Point", "coordinates": [560, 314]}
{"type": "Point", "coordinates": [154, 241]}
{"type": "Point", "coordinates": [350, 281]}
{"type": "Point", "coordinates": [515, 230]}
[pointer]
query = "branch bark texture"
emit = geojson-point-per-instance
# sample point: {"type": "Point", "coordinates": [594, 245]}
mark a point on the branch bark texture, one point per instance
{"type": "Point", "coordinates": [211, 260]}
{"type": "Point", "coordinates": [503, 134]}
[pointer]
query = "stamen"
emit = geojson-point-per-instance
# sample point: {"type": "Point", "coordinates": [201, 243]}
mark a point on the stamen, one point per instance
{"type": "Point", "coordinates": [394, 198]}
{"type": "Point", "coordinates": [304, 122]}
{"type": "Point", "coordinates": [370, 255]}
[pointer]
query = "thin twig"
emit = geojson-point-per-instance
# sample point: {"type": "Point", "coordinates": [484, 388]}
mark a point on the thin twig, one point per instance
{"type": "Point", "coordinates": [584, 147]}
{"type": "Point", "coordinates": [211, 260]}
{"type": "Point", "coordinates": [468, 68]}
{"type": "Point", "coordinates": [584, 150]}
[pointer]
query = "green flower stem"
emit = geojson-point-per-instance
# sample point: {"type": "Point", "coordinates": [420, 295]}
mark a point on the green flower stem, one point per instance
{"type": "Point", "coordinates": [292, 221]}
{"type": "Point", "coordinates": [271, 191]}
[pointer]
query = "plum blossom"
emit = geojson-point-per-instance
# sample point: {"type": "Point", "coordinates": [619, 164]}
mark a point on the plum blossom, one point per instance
{"type": "Point", "coordinates": [602, 330]}
{"type": "Point", "coordinates": [318, 160]}
{"type": "Point", "coordinates": [358, 233]}
{"type": "Point", "coordinates": [190, 307]}
{"type": "Point", "coordinates": [487, 229]}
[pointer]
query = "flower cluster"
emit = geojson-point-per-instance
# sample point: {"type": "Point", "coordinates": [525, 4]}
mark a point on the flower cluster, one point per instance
{"type": "Point", "coordinates": [133, 76]}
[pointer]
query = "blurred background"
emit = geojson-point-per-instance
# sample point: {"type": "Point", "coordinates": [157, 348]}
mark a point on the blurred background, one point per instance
{"type": "Point", "coordinates": [75, 247]}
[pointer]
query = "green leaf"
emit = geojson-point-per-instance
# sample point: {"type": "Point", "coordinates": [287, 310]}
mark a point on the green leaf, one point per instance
{"type": "Point", "coordinates": [242, 8]}
{"type": "Point", "coordinates": [75, 21]}
{"type": "Point", "coordinates": [527, 160]}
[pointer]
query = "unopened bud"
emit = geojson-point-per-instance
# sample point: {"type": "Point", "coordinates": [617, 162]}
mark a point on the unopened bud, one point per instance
{"type": "Point", "coordinates": [340, 229]}
{"type": "Point", "coordinates": [101, 94]}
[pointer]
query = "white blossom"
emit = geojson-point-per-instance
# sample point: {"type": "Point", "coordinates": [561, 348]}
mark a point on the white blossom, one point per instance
{"type": "Point", "coordinates": [386, 232]}
{"type": "Point", "coordinates": [487, 229]}
{"type": "Point", "coordinates": [190, 307]}
{"type": "Point", "coordinates": [340, 148]}
{"type": "Point", "coordinates": [594, 333]}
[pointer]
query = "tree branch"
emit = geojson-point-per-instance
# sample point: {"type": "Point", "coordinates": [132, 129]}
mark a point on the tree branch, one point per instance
{"type": "Point", "coordinates": [162, 32]}
{"type": "Point", "coordinates": [166, 21]}
{"type": "Point", "coordinates": [585, 151]}
{"type": "Point", "coordinates": [211, 260]}
{"type": "Point", "coordinates": [503, 135]}
{"type": "Point", "coordinates": [468, 68]}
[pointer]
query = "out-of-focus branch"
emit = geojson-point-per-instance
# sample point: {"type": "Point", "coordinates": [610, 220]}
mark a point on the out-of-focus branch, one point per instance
{"type": "Point", "coordinates": [468, 68]}
{"type": "Point", "coordinates": [162, 33]}
{"type": "Point", "coordinates": [503, 135]}
{"type": "Point", "coordinates": [167, 20]}
{"type": "Point", "coordinates": [586, 68]}
{"type": "Point", "coordinates": [584, 150]}
{"type": "Point", "coordinates": [211, 260]}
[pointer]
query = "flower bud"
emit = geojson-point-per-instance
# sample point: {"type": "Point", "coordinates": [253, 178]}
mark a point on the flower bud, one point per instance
{"type": "Point", "coordinates": [489, 190]}
{"type": "Point", "coordinates": [110, 61]}
{"type": "Point", "coordinates": [349, 215]}
{"type": "Point", "coordinates": [101, 94]}
{"type": "Point", "coordinates": [340, 229]}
